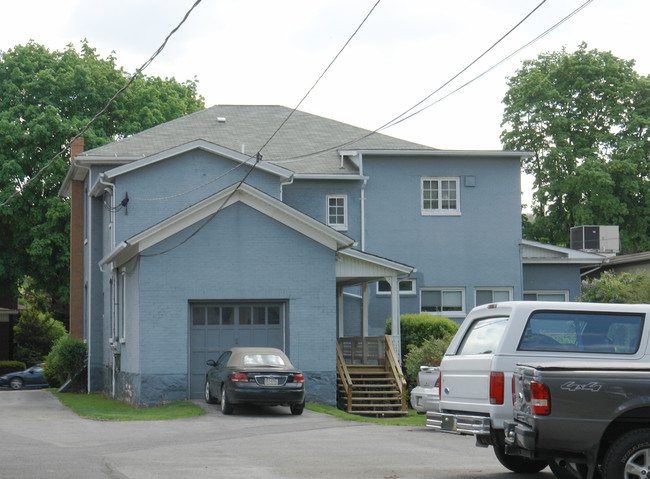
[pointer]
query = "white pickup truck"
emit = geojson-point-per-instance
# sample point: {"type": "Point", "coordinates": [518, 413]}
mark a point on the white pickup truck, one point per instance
{"type": "Point", "coordinates": [476, 372]}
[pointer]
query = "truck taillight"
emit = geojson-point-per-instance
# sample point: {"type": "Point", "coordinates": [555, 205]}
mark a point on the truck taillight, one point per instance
{"type": "Point", "coordinates": [440, 386]}
{"type": "Point", "coordinates": [540, 398]}
{"type": "Point", "coordinates": [513, 389]}
{"type": "Point", "coordinates": [497, 387]}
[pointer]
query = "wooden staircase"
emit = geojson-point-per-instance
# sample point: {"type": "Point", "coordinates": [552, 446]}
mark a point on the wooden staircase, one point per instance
{"type": "Point", "coordinates": [370, 389]}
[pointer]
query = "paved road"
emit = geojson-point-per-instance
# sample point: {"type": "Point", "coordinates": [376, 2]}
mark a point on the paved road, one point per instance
{"type": "Point", "coordinates": [40, 438]}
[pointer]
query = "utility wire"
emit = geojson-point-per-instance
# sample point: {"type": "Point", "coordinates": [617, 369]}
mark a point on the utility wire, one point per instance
{"type": "Point", "coordinates": [103, 110]}
{"type": "Point", "coordinates": [399, 119]}
{"type": "Point", "coordinates": [543, 34]}
{"type": "Point", "coordinates": [258, 156]}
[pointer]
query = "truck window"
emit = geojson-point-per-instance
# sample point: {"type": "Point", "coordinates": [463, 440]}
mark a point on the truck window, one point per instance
{"type": "Point", "coordinates": [483, 336]}
{"type": "Point", "coordinates": [582, 332]}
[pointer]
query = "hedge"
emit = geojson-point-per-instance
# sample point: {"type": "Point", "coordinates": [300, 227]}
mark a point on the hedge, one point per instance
{"type": "Point", "coordinates": [11, 366]}
{"type": "Point", "coordinates": [415, 329]}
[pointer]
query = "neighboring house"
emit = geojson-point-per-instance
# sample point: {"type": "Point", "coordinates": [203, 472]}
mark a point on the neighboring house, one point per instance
{"type": "Point", "coordinates": [178, 252]}
{"type": "Point", "coordinates": [626, 263]}
{"type": "Point", "coordinates": [8, 319]}
{"type": "Point", "coordinates": [553, 273]}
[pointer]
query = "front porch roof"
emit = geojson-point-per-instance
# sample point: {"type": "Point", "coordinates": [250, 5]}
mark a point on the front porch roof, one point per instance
{"type": "Point", "coordinates": [355, 267]}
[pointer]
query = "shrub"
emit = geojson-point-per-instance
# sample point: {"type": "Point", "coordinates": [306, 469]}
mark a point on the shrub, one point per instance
{"type": "Point", "coordinates": [11, 366]}
{"type": "Point", "coordinates": [429, 354]}
{"type": "Point", "coordinates": [34, 335]}
{"type": "Point", "coordinates": [617, 288]}
{"type": "Point", "coordinates": [67, 360]}
{"type": "Point", "coordinates": [415, 329]}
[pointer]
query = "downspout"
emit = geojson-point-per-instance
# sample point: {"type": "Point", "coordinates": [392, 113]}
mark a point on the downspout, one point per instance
{"type": "Point", "coordinates": [363, 214]}
{"type": "Point", "coordinates": [110, 187]}
{"type": "Point", "coordinates": [88, 245]}
{"type": "Point", "coordinates": [283, 184]}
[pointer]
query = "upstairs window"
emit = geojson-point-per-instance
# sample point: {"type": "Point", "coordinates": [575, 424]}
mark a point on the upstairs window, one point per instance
{"type": "Point", "coordinates": [337, 212]}
{"type": "Point", "coordinates": [440, 196]}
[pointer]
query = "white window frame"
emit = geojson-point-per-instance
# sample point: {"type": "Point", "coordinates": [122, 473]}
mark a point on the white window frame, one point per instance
{"type": "Point", "coordinates": [409, 292]}
{"type": "Point", "coordinates": [337, 226]}
{"type": "Point", "coordinates": [537, 292]}
{"type": "Point", "coordinates": [442, 294]}
{"type": "Point", "coordinates": [440, 211]}
{"type": "Point", "coordinates": [504, 289]}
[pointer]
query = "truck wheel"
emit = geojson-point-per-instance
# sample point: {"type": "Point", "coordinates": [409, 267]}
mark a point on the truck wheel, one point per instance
{"type": "Point", "coordinates": [518, 464]}
{"type": "Point", "coordinates": [629, 456]}
{"type": "Point", "coordinates": [570, 470]}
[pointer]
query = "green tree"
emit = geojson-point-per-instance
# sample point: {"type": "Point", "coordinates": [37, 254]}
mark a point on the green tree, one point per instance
{"type": "Point", "coordinates": [46, 98]}
{"type": "Point", "coordinates": [585, 116]}
{"type": "Point", "coordinates": [617, 288]}
{"type": "Point", "coordinates": [34, 335]}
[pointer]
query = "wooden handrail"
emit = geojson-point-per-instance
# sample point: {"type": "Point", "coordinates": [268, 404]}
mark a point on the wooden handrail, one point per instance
{"type": "Point", "coordinates": [346, 380]}
{"type": "Point", "coordinates": [393, 364]}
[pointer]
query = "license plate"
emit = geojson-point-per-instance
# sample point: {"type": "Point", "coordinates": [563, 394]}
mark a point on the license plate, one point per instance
{"type": "Point", "coordinates": [270, 381]}
{"type": "Point", "coordinates": [448, 423]}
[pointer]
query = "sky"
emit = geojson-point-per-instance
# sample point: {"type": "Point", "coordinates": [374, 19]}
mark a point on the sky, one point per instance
{"type": "Point", "coordinates": [272, 52]}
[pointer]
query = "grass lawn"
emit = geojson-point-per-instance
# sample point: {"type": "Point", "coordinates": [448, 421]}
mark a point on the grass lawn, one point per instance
{"type": "Point", "coordinates": [413, 418]}
{"type": "Point", "coordinates": [98, 406]}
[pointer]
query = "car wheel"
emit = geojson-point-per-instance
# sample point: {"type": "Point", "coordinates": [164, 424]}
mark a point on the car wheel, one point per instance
{"type": "Point", "coordinates": [520, 464]}
{"type": "Point", "coordinates": [569, 470]}
{"type": "Point", "coordinates": [209, 398]}
{"type": "Point", "coordinates": [297, 409]}
{"type": "Point", "coordinates": [629, 456]}
{"type": "Point", "coordinates": [16, 384]}
{"type": "Point", "coordinates": [226, 407]}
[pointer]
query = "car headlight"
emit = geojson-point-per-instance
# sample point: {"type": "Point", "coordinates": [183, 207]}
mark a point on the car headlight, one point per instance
{"type": "Point", "coordinates": [3, 377]}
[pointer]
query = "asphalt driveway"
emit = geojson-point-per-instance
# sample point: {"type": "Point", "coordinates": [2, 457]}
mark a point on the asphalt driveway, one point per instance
{"type": "Point", "coordinates": [40, 438]}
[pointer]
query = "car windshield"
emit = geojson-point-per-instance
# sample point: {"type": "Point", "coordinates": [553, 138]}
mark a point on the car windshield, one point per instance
{"type": "Point", "coordinates": [263, 360]}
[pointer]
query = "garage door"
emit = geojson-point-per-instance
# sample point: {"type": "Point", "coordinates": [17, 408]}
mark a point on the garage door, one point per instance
{"type": "Point", "coordinates": [216, 327]}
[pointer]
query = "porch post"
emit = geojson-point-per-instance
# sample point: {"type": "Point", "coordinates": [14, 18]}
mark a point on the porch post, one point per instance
{"type": "Point", "coordinates": [395, 336]}
{"type": "Point", "coordinates": [339, 299]}
{"type": "Point", "coordinates": [364, 321]}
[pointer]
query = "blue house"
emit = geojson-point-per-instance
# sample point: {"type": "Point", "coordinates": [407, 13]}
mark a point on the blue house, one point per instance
{"type": "Point", "coordinates": [218, 230]}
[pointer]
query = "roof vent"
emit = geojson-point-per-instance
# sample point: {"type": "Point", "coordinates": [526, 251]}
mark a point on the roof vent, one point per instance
{"type": "Point", "coordinates": [221, 119]}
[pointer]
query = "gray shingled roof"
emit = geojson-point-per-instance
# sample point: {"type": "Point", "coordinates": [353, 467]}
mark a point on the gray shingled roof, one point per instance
{"type": "Point", "coordinates": [249, 127]}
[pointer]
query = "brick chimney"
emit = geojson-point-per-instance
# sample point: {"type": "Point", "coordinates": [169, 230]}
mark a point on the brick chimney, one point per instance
{"type": "Point", "coordinates": [77, 217]}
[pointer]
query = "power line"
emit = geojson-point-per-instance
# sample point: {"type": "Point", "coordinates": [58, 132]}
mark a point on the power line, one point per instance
{"type": "Point", "coordinates": [103, 110]}
{"type": "Point", "coordinates": [258, 156]}
{"type": "Point", "coordinates": [399, 119]}
{"type": "Point", "coordinates": [541, 35]}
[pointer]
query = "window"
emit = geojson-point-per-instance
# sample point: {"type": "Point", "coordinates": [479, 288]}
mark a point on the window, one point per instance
{"type": "Point", "coordinates": [546, 296]}
{"type": "Point", "coordinates": [337, 212]}
{"type": "Point", "coordinates": [448, 301]}
{"type": "Point", "coordinates": [440, 196]}
{"type": "Point", "coordinates": [406, 287]}
{"type": "Point", "coordinates": [483, 336]}
{"type": "Point", "coordinates": [492, 295]}
{"type": "Point", "coordinates": [587, 332]}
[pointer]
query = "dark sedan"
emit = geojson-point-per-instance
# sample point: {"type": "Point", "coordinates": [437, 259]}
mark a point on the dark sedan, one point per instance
{"type": "Point", "coordinates": [29, 378]}
{"type": "Point", "coordinates": [262, 376]}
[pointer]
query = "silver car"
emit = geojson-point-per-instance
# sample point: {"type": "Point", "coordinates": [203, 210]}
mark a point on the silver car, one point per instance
{"type": "Point", "coordinates": [426, 395]}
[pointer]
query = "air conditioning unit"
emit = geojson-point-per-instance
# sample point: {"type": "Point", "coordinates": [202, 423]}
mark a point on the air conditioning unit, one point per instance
{"type": "Point", "coordinates": [597, 239]}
